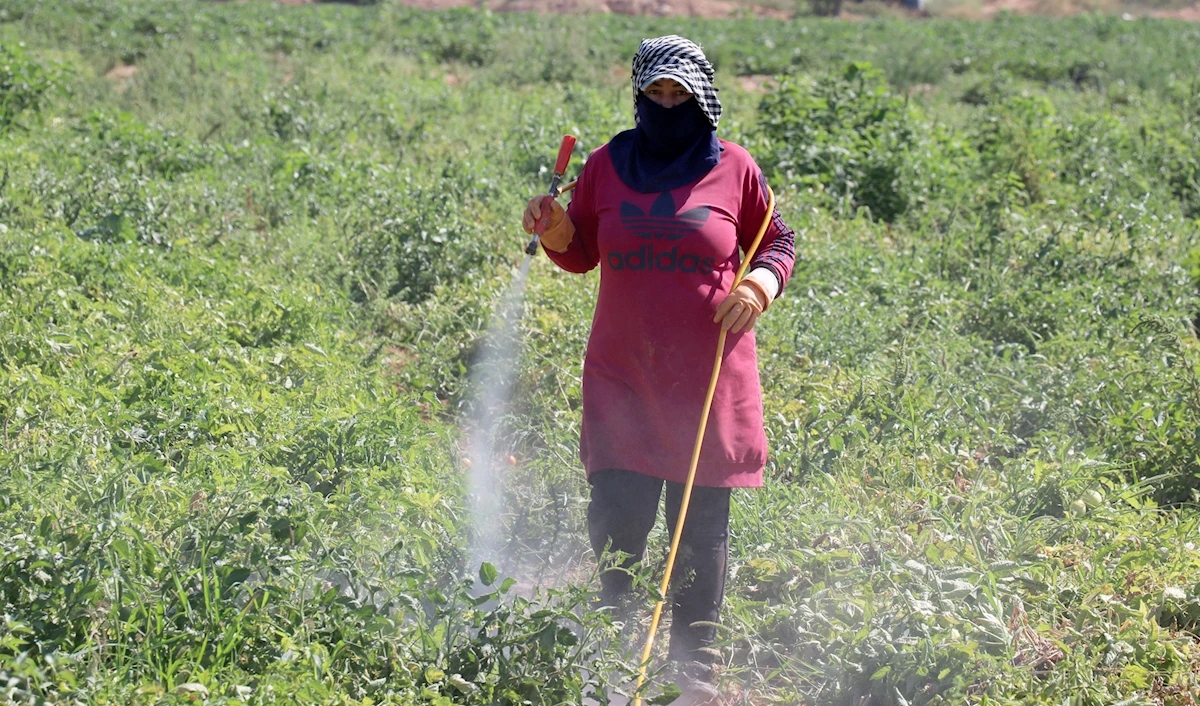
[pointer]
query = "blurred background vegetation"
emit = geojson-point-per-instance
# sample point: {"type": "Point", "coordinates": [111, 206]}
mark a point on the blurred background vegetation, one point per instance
{"type": "Point", "coordinates": [248, 254]}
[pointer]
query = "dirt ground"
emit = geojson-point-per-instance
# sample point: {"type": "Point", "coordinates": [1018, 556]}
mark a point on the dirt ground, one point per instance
{"type": "Point", "coordinates": [729, 8]}
{"type": "Point", "coordinates": [660, 8]}
{"type": "Point", "coordinates": [1191, 14]}
{"type": "Point", "coordinates": [1058, 8]}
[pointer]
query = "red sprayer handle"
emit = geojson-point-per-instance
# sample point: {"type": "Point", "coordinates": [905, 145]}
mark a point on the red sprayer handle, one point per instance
{"type": "Point", "coordinates": [560, 167]}
{"type": "Point", "coordinates": [564, 155]}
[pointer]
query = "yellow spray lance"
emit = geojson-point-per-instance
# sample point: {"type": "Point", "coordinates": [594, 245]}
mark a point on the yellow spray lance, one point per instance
{"type": "Point", "coordinates": [564, 155]}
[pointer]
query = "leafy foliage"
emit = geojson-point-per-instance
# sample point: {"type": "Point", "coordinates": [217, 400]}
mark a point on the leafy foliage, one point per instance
{"type": "Point", "coordinates": [242, 292]}
{"type": "Point", "coordinates": [24, 84]}
{"type": "Point", "coordinates": [847, 136]}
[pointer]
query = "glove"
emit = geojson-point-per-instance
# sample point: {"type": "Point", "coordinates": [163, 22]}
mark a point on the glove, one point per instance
{"type": "Point", "coordinates": [741, 308]}
{"type": "Point", "coordinates": [559, 229]}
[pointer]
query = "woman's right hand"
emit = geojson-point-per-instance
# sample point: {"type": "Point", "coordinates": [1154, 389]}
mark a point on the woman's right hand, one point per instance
{"type": "Point", "coordinates": [559, 228]}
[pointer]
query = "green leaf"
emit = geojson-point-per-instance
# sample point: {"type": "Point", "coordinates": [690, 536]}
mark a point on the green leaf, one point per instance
{"type": "Point", "coordinates": [1137, 676]}
{"type": "Point", "coordinates": [487, 574]}
{"type": "Point", "coordinates": [231, 575]}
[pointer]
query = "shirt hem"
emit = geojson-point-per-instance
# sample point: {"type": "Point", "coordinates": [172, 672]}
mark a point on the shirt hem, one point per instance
{"type": "Point", "coordinates": [708, 475]}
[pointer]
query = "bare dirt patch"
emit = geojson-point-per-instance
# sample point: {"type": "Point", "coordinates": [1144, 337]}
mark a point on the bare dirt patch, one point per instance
{"type": "Point", "coordinates": [979, 9]}
{"type": "Point", "coordinates": [652, 8]}
{"type": "Point", "coordinates": [1191, 14]}
{"type": "Point", "coordinates": [756, 83]}
{"type": "Point", "coordinates": [1065, 8]}
{"type": "Point", "coordinates": [439, 4]}
{"type": "Point", "coordinates": [1020, 7]}
{"type": "Point", "coordinates": [121, 73]}
{"type": "Point", "coordinates": [121, 76]}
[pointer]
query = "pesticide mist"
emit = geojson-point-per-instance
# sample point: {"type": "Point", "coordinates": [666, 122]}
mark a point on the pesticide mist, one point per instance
{"type": "Point", "coordinates": [491, 379]}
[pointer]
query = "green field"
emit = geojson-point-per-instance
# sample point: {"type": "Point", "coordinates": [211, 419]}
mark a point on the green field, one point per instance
{"type": "Point", "coordinates": [243, 284]}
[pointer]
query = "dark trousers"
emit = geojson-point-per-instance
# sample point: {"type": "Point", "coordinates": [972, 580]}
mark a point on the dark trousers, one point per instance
{"type": "Point", "coordinates": [622, 513]}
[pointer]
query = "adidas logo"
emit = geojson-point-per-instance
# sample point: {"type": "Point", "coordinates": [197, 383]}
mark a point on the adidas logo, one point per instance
{"type": "Point", "coordinates": [645, 258]}
{"type": "Point", "coordinates": [662, 223]}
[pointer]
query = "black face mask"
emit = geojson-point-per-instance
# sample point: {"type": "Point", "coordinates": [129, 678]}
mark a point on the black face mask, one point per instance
{"type": "Point", "coordinates": [667, 132]}
{"type": "Point", "coordinates": [670, 147]}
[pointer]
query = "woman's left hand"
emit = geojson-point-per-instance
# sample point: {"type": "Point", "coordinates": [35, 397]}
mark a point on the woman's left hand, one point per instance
{"type": "Point", "coordinates": [740, 309]}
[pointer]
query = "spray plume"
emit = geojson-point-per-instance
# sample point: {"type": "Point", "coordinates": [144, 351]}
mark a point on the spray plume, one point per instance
{"type": "Point", "coordinates": [492, 380]}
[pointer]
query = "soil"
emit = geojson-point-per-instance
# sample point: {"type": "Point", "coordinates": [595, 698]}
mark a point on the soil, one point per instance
{"type": "Point", "coordinates": [731, 8]}
{"type": "Point", "coordinates": [656, 8]}
{"type": "Point", "coordinates": [756, 83]}
{"type": "Point", "coordinates": [1060, 8]}
{"type": "Point", "coordinates": [121, 76]}
{"type": "Point", "coordinates": [653, 8]}
{"type": "Point", "coordinates": [1191, 14]}
{"type": "Point", "coordinates": [1019, 7]}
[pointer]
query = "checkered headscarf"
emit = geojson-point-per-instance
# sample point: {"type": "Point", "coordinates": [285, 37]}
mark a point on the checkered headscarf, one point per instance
{"type": "Point", "coordinates": [674, 57]}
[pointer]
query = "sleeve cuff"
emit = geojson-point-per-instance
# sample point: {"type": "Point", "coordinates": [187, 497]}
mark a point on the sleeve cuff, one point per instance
{"type": "Point", "coordinates": [764, 277]}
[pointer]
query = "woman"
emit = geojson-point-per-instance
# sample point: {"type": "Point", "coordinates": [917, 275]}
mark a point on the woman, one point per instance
{"type": "Point", "coordinates": [663, 210]}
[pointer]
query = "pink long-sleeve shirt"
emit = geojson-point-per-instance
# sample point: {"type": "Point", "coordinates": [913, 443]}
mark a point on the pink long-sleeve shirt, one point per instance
{"type": "Point", "coordinates": [666, 261]}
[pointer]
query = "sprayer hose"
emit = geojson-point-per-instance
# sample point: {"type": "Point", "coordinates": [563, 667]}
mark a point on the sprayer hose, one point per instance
{"type": "Point", "coordinates": [691, 476]}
